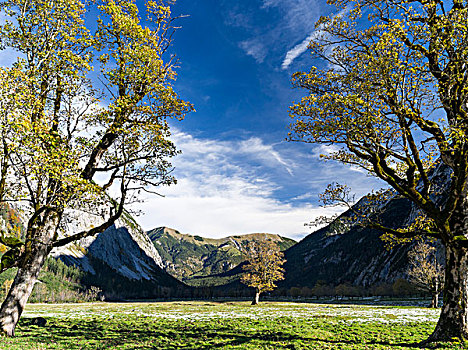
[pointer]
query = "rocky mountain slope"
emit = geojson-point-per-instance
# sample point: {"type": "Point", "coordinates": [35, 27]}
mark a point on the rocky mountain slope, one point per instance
{"type": "Point", "coordinates": [126, 262]}
{"type": "Point", "coordinates": [121, 260]}
{"type": "Point", "coordinates": [331, 256]}
{"type": "Point", "coordinates": [357, 255]}
{"type": "Point", "coordinates": [190, 258]}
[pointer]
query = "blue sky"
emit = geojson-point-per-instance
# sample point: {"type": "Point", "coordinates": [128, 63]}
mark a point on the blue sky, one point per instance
{"type": "Point", "coordinates": [237, 174]}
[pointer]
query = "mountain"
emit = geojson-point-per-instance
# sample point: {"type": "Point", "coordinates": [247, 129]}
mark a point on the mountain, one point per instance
{"type": "Point", "coordinates": [126, 262]}
{"type": "Point", "coordinates": [192, 258]}
{"type": "Point", "coordinates": [122, 260]}
{"type": "Point", "coordinates": [357, 255]}
{"type": "Point", "coordinates": [333, 255]}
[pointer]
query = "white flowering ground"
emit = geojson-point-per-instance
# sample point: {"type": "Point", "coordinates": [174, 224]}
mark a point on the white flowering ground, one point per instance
{"type": "Point", "coordinates": [194, 311]}
{"type": "Point", "coordinates": [198, 325]}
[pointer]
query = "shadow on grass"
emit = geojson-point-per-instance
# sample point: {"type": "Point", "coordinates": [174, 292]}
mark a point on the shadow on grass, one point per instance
{"type": "Point", "coordinates": [153, 334]}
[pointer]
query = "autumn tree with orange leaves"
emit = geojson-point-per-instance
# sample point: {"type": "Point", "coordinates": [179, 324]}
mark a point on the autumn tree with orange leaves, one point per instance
{"type": "Point", "coordinates": [263, 268]}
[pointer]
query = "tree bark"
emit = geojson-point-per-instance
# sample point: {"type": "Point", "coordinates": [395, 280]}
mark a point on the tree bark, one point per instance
{"type": "Point", "coordinates": [257, 298]}
{"type": "Point", "coordinates": [31, 262]}
{"type": "Point", "coordinates": [453, 321]}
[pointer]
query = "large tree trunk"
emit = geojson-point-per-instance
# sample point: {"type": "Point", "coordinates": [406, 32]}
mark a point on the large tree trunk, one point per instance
{"type": "Point", "coordinates": [31, 262]}
{"type": "Point", "coordinates": [257, 298]}
{"type": "Point", "coordinates": [453, 321]}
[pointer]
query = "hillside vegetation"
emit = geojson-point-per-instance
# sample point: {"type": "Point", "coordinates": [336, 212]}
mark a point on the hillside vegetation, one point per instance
{"type": "Point", "coordinates": [189, 258]}
{"type": "Point", "coordinates": [58, 283]}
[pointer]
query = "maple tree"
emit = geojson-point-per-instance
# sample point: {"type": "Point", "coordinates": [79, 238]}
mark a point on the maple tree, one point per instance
{"type": "Point", "coordinates": [426, 270]}
{"type": "Point", "coordinates": [67, 146]}
{"type": "Point", "coordinates": [263, 267]}
{"type": "Point", "coordinates": [390, 93]}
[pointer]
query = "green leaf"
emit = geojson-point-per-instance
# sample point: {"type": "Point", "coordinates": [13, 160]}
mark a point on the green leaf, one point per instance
{"type": "Point", "coordinates": [11, 241]}
{"type": "Point", "coordinates": [460, 238]}
{"type": "Point", "coordinates": [9, 258]}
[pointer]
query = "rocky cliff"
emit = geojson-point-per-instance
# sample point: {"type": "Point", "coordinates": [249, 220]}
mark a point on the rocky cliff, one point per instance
{"type": "Point", "coordinates": [357, 254]}
{"type": "Point", "coordinates": [121, 260]}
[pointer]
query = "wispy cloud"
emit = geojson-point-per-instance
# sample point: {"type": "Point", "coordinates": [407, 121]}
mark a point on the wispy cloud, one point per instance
{"type": "Point", "coordinates": [299, 49]}
{"type": "Point", "coordinates": [292, 19]}
{"type": "Point", "coordinates": [228, 212]}
{"type": "Point", "coordinates": [255, 49]}
{"type": "Point", "coordinates": [241, 186]}
{"type": "Point", "coordinates": [234, 157]}
{"type": "Point", "coordinates": [237, 17]}
{"type": "Point", "coordinates": [257, 147]}
{"type": "Point", "coordinates": [297, 14]}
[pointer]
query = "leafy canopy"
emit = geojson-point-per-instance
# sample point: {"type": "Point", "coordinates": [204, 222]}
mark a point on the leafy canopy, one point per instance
{"type": "Point", "coordinates": [70, 143]}
{"type": "Point", "coordinates": [263, 268]}
{"type": "Point", "coordinates": [390, 93]}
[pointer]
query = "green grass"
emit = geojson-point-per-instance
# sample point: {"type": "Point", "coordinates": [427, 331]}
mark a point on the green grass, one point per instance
{"type": "Point", "coordinates": [230, 325]}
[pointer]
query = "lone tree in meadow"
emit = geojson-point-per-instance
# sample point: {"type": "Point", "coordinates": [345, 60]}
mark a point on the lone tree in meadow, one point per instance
{"type": "Point", "coordinates": [263, 268]}
{"type": "Point", "coordinates": [425, 270]}
{"type": "Point", "coordinates": [390, 94]}
{"type": "Point", "coordinates": [71, 144]}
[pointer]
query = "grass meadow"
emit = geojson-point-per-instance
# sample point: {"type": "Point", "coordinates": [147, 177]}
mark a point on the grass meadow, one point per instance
{"type": "Point", "coordinates": [228, 325]}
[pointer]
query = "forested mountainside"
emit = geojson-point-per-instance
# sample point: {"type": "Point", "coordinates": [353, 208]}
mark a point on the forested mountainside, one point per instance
{"type": "Point", "coordinates": [126, 262]}
{"type": "Point", "coordinates": [121, 261]}
{"type": "Point", "coordinates": [191, 258]}
{"type": "Point", "coordinates": [330, 257]}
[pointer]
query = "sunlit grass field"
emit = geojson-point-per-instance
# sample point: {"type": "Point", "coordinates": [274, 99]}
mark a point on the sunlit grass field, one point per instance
{"type": "Point", "coordinates": [228, 325]}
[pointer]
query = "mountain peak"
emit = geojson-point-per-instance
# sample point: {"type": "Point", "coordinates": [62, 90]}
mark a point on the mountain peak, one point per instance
{"type": "Point", "coordinates": [187, 256]}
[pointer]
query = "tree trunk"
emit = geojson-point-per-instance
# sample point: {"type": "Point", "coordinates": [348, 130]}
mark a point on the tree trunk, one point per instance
{"type": "Point", "coordinates": [31, 262]}
{"type": "Point", "coordinates": [453, 321]}
{"type": "Point", "coordinates": [435, 299]}
{"type": "Point", "coordinates": [257, 298]}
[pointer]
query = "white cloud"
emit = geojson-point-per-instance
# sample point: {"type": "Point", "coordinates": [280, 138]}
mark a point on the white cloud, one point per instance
{"type": "Point", "coordinates": [254, 48]}
{"type": "Point", "coordinates": [210, 151]}
{"type": "Point", "coordinates": [297, 14]}
{"type": "Point", "coordinates": [213, 211]}
{"type": "Point", "coordinates": [229, 187]}
{"type": "Point", "coordinates": [325, 150]}
{"type": "Point", "coordinates": [245, 186]}
{"type": "Point", "coordinates": [267, 153]}
{"type": "Point", "coordinates": [299, 49]}
{"type": "Point", "coordinates": [292, 19]}
{"type": "Point", "coordinates": [237, 18]}
{"type": "Point", "coordinates": [307, 195]}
